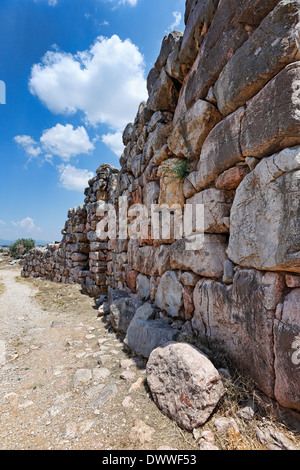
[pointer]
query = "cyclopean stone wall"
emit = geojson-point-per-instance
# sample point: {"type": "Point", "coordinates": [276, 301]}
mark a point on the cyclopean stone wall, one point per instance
{"type": "Point", "coordinates": [221, 128]}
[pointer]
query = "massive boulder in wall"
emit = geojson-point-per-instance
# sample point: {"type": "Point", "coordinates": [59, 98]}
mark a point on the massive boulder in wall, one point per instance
{"type": "Point", "coordinates": [265, 224]}
{"type": "Point", "coordinates": [272, 46]}
{"type": "Point", "coordinates": [239, 319]}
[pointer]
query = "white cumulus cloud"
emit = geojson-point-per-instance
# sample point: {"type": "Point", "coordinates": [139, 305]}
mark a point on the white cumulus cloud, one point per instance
{"type": "Point", "coordinates": [177, 20]}
{"type": "Point", "coordinates": [106, 83]}
{"type": "Point", "coordinates": [31, 147]}
{"type": "Point", "coordinates": [114, 142]}
{"type": "Point", "coordinates": [74, 179]}
{"type": "Point", "coordinates": [2, 222]}
{"type": "Point", "coordinates": [66, 142]}
{"type": "Point", "coordinates": [27, 225]}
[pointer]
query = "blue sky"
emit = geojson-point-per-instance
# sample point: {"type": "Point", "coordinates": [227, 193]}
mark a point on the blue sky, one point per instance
{"type": "Point", "coordinates": [75, 73]}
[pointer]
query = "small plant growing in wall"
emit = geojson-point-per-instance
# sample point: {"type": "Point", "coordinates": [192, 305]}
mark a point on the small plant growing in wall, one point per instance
{"type": "Point", "coordinates": [179, 169]}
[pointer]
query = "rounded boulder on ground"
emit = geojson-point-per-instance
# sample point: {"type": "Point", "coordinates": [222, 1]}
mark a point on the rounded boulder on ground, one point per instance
{"type": "Point", "coordinates": [184, 384]}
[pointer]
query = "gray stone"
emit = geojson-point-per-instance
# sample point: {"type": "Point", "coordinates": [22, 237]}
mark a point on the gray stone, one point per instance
{"type": "Point", "coordinates": [143, 287]}
{"type": "Point", "coordinates": [206, 261]}
{"type": "Point", "coordinates": [168, 44]}
{"type": "Point", "coordinates": [169, 295]}
{"type": "Point", "coordinates": [264, 218]}
{"type": "Point", "coordinates": [164, 95]}
{"type": "Point", "coordinates": [217, 205]}
{"type": "Point", "coordinates": [273, 439]}
{"type": "Point", "coordinates": [228, 272]}
{"type": "Point", "coordinates": [239, 319]}
{"type": "Point", "coordinates": [287, 351]}
{"type": "Point", "coordinates": [198, 21]}
{"type": "Point", "coordinates": [107, 394]}
{"type": "Point", "coordinates": [122, 312]}
{"type": "Point", "coordinates": [145, 333]}
{"type": "Point", "coordinates": [184, 384]}
{"type": "Point", "coordinates": [114, 295]}
{"type": "Point", "coordinates": [82, 376]}
{"type": "Point", "coordinates": [191, 130]}
{"type": "Point", "coordinates": [272, 118]}
{"type": "Point", "coordinates": [271, 47]}
{"type": "Point", "coordinates": [220, 153]}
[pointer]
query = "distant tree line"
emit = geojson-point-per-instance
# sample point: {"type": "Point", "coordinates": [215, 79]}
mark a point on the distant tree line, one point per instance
{"type": "Point", "coordinates": [21, 247]}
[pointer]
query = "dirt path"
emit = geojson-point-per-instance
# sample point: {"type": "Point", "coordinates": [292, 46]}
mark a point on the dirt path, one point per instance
{"type": "Point", "coordinates": [64, 383]}
{"type": "Point", "coordinates": [67, 382]}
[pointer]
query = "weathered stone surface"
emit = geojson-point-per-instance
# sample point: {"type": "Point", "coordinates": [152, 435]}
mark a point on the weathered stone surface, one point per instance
{"type": "Point", "coordinates": [141, 258]}
{"type": "Point", "coordinates": [287, 352]}
{"type": "Point", "coordinates": [151, 79]}
{"type": "Point", "coordinates": [217, 204]}
{"type": "Point", "coordinates": [188, 302]}
{"type": "Point", "coordinates": [239, 319]}
{"type": "Point", "coordinates": [151, 194]}
{"type": "Point", "coordinates": [207, 261]}
{"type": "Point", "coordinates": [188, 278]}
{"type": "Point", "coordinates": [191, 130]}
{"type": "Point", "coordinates": [156, 141]}
{"type": "Point", "coordinates": [114, 295]}
{"type": "Point", "coordinates": [173, 66]}
{"type": "Point", "coordinates": [162, 259]}
{"type": "Point", "coordinates": [184, 384]}
{"type": "Point", "coordinates": [146, 334]}
{"type": "Point", "coordinates": [221, 150]}
{"type": "Point", "coordinates": [122, 312]}
{"type": "Point", "coordinates": [169, 296]}
{"type": "Point", "coordinates": [265, 215]}
{"type": "Point", "coordinates": [82, 376]}
{"type": "Point", "coordinates": [232, 178]}
{"type": "Point", "coordinates": [199, 18]}
{"type": "Point", "coordinates": [292, 281]}
{"type": "Point", "coordinates": [143, 287]}
{"type": "Point", "coordinates": [164, 95]}
{"type": "Point", "coordinates": [131, 277]}
{"type": "Point", "coordinates": [223, 38]}
{"type": "Point", "coordinates": [273, 45]}
{"type": "Point", "coordinates": [171, 185]}
{"type": "Point", "coordinates": [272, 119]}
{"type": "Point", "coordinates": [168, 44]}
{"type": "Point", "coordinates": [273, 439]}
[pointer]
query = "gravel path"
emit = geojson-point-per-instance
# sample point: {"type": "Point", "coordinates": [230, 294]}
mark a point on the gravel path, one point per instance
{"type": "Point", "coordinates": [66, 382]}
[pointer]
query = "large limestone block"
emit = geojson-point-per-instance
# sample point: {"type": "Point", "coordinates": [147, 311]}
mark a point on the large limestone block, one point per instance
{"type": "Point", "coordinates": [217, 205]}
{"type": "Point", "coordinates": [184, 384]}
{"type": "Point", "coordinates": [191, 130]}
{"type": "Point", "coordinates": [171, 185]}
{"type": "Point", "coordinates": [199, 17]}
{"type": "Point", "coordinates": [272, 119]}
{"type": "Point", "coordinates": [223, 38]}
{"type": "Point", "coordinates": [221, 150]}
{"type": "Point", "coordinates": [145, 333]}
{"type": "Point", "coordinates": [265, 223]}
{"type": "Point", "coordinates": [169, 296]}
{"type": "Point", "coordinates": [141, 258]}
{"type": "Point", "coordinates": [287, 352]}
{"type": "Point", "coordinates": [231, 27]}
{"type": "Point", "coordinates": [206, 261]}
{"type": "Point", "coordinates": [239, 319]}
{"type": "Point", "coordinates": [122, 312]}
{"type": "Point", "coordinates": [273, 45]}
{"type": "Point", "coordinates": [168, 44]}
{"type": "Point", "coordinates": [164, 95]}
